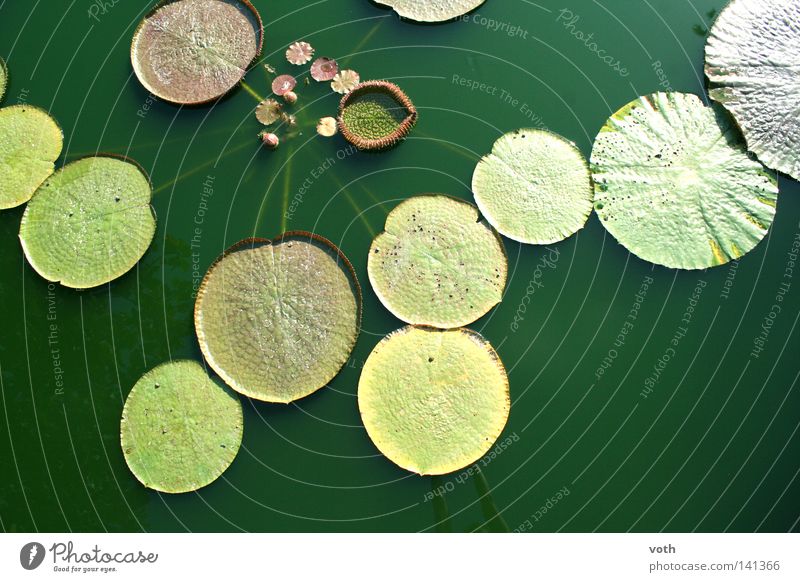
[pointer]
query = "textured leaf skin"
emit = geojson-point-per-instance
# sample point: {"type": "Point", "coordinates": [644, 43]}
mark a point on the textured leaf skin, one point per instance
{"type": "Point", "coordinates": [278, 319]}
{"type": "Point", "coordinates": [535, 187]}
{"type": "Point", "coordinates": [753, 64]}
{"type": "Point", "coordinates": [434, 401]}
{"type": "Point", "coordinates": [431, 10]}
{"type": "Point", "coordinates": [89, 223]}
{"type": "Point", "coordinates": [191, 52]}
{"type": "Point", "coordinates": [180, 429]}
{"type": "Point", "coordinates": [3, 79]}
{"type": "Point", "coordinates": [30, 143]}
{"type": "Point", "coordinates": [674, 183]}
{"type": "Point", "coordinates": [437, 263]}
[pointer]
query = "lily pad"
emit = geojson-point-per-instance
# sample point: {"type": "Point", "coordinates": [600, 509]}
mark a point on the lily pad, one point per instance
{"type": "Point", "coordinates": [431, 10]}
{"type": "Point", "coordinates": [180, 430]}
{"type": "Point", "coordinates": [3, 78]}
{"type": "Point", "coordinates": [535, 187]}
{"type": "Point", "coordinates": [191, 52]}
{"type": "Point", "coordinates": [434, 401]}
{"type": "Point", "coordinates": [752, 60]}
{"type": "Point", "coordinates": [437, 263]}
{"type": "Point", "coordinates": [376, 115]}
{"type": "Point", "coordinates": [89, 223]}
{"type": "Point", "coordinates": [30, 143]}
{"type": "Point", "coordinates": [675, 185]}
{"type": "Point", "coordinates": [278, 319]}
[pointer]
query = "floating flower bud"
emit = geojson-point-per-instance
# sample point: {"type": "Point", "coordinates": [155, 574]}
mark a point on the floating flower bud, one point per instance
{"type": "Point", "coordinates": [290, 97]}
{"type": "Point", "coordinates": [270, 140]}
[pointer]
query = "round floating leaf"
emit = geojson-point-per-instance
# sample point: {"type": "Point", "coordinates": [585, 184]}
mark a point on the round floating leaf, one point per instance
{"type": "Point", "coordinates": [3, 78]}
{"type": "Point", "coordinates": [89, 223]}
{"type": "Point", "coordinates": [324, 69]}
{"type": "Point", "coordinates": [283, 84]}
{"type": "Point", "coordinates": [326, 127]}
{"type": "Point", "coordinates": [535, 187]}
{"type": "Point", "coordinates": [675, 186]}
{"type": "Point", "coordinates": [180, 429]}
{"type": "Point", "coordinates": [30, 143]}
{"type": "Point", "coordinates": [431, 10]}
{"type": "Point", "coordinates": [376, 115]}
{"type": "Point", "coordinates": [299, 53]}
{"type": "Point", "coordinates": [345, 81]}
{"type": "Point", "coordinates": [278, 319]}
{"type": "Point", "coordinates": [437, 264]}
{"type": "Point", "coordinates": [433, 401]}
{"type": "Point", "coordinates": [269, 111]}
{"type": "Point", "coordinates": [191, 52]}
{"type": "Point", "coordinates": [752, 59]}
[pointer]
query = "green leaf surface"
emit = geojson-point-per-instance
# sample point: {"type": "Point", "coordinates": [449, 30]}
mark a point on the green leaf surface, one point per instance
{"type": "Point", "coordinates": [431, 10]}
{"type": "Point", "coordinates": [3, 78]}
{"type": "Point", "coordinates": [535, 187]}
{"type": "Point", "coordinates": [373, 116]}
{"type": "Point", "coordinates": [433, 401]}
{"type": "Point", "coordinates": [30, 143]}
{"type": "Point", "coordinates": [180, 429]}
{"type": "Point", "coordinates": [753, 64]}
{"type": "Point", "coordinates": [437, 263]}
{"type": "Point", "coordinates": [89, 223]}
{"type": "Point", "coordinates": [278, 319]}
{"type": "Point", "coordinates": [675, 185]}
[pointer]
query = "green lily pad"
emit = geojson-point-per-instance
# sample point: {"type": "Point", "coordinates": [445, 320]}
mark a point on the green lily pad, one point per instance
{"type": "Point", "coordinates": [191, 52]}
{"type": "Point", "coordinates": [437, 263]}
{"type": "Point", "coordinates": [30, 143]}
{"type": "Point", "coordinates": [675, 185]}
{"type": "Point", "coordinates": [3, 78]}
{"type": "Point", "coordinates": [278, 319]}
{"type": "Point", "coordinates": [376, 115]}
{"type": "Point", "coordinates": [433, 401]}
{"type": "Point", "coordinates": [180, 430]}
{"type": "Point", "coordinates": [752, 59]}
{"type": "Point", "coordinates": [89, 223]}
{"type": "Point", "coordinates": [431, 10]}
{"type": "Point", "coordinates": [535, 187]}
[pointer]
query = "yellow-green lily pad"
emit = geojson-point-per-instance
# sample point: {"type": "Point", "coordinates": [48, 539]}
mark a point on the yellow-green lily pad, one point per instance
{"type": "Point", "coordinates": [180, 429]}
{"type": "Point", "coordinates": [675, 185]}
{"type": "Point", "coordinates": [30, 143]}
{"type": "Point", "coordinates": [278, 319]}
{"type": "Point", "coordinates": [3, 78]}
{"type": "Point", "coordinates": [437, 263]}
{"type": "Point", "coordinates": [89, 223]}
{"type": "Point", "coordinates": [535, 187]}
{"type": "Point", "coordinates": [434, 401]}
{"type": "Point", "coordinates": [431, 10]}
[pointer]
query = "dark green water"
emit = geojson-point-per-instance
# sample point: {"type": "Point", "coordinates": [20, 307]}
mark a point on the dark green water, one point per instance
{"type": "Point", "coordinates": [713, 446]}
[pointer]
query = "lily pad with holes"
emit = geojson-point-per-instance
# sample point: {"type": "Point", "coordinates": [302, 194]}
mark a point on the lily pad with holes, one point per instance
{"type": "Point", "coordinates": [180, 429]}
{"type": "Point", "coordinates": [89, 223]}
{"type": "Point", "coordinates": [675, 185]}
{"type": "Point", "coordinates": [535, 187]}
{"type": "Point", "coordinates": [3, 78]}
{"type": "Point", "coordinates": [30, 143]}
{"type": "Point", "coordinates": [431, 10]}
{"type": "Point", "coordinates": [278, 319]}
{"type": "Point", "coordinates": [376, 115]}
{"type": "Point", "coordinates": [432, 401]}
{"type": "Point", "coordinates": [191, 52]}
{"type": "Point", "coordinates": [752, 59]}
{"type": "Point", "coordinates": [437, 263]}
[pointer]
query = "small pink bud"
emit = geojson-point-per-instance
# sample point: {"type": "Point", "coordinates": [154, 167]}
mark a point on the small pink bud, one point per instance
{"type": "Point", "coordinates": [270, 140]}
{"type": "Point", "coordinates": [290, 97]}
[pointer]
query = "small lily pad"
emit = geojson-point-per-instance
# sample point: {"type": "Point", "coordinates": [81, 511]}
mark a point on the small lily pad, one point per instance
{"type": "Point", "coordinates": [752, 59]}
{"type": "Point", "coordinates": [30, 143]}
{"type": "Point", "coordinates": [376, 115]}
{"type": "Point", "coordinates": [437, 263]}
{"type": "Point", "coordinates": [3, 78]}
{"type": "Point", "coordinates": [434, 401]}
{"type": "Point", "coordinates": [674, 183]}
{"type": "Point", "coordinates": [180, 430]}
{"type": "Point", "coordinates": [299, 53]}
{"type": "Point", "coordinates": [191, 52]}
{"type": "Point", "coordinates": [89, 223]}
{"type": "Point", "coordinates": [535, 187]}
{"type": "Point", "coordinates": [345, 81]}
{"type": "Point", "coordinates": [431, 10]}
{"type": "Point", "coordinates": [324, 69]}
{"type": "Point", "coordinates": [278, 319]}
{"type": "Point", "coordinates": [269, 111]}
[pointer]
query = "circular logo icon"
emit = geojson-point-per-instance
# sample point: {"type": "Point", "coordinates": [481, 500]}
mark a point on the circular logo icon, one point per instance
{"type": "Point", "coordinates": [31, 555]}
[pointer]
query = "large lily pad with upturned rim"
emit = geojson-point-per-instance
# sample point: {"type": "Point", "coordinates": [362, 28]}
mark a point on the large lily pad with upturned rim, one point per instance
{"type": "Point", "coordinates": [437, 263]}
{"type": "Point", "coordinates": [753, 64]}
{"type": "Point", "coordinates": [431, 10]}
{"type": "Point", "coordinates": [191, 52]}
{"type": "Point", "coordinates": [535, 187]}
{"type": "Point", "coordinates": [3, 78]}
{"type": "Point", "coordinates": [376, 115]}
{"type": "Point", "coordinates": [180, 429]}
{"type": "Point", "coordinates": [433, 401]}
{"type": "Point", "coordinates": [30, 143]}
{"type": "Point", "coordinates": [90, 222]}
{"type": "Point", "coordinates": [675, 185]}
{"type": "Point", "coordinates": [278, 319]}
